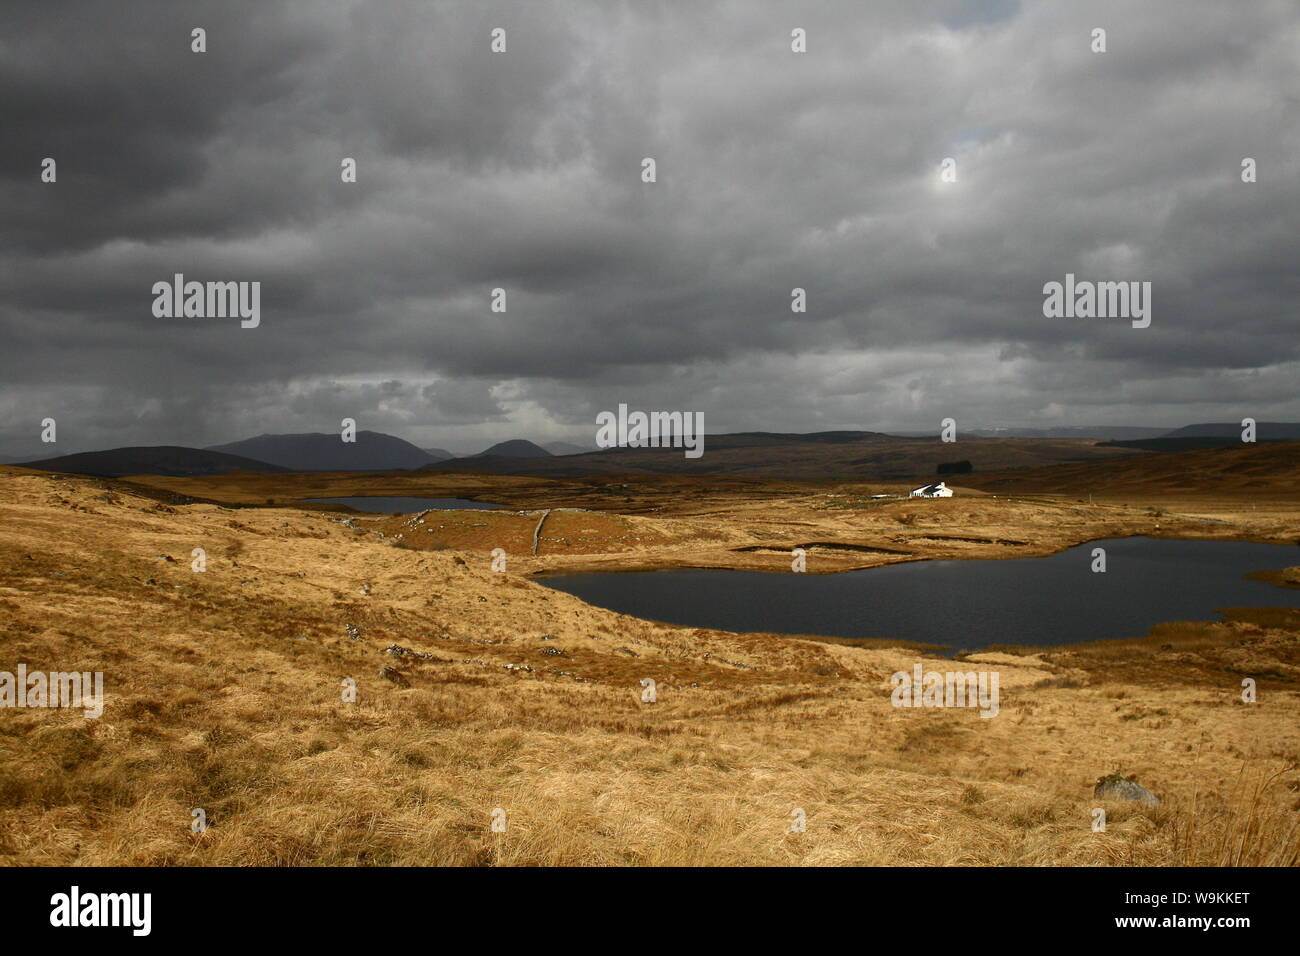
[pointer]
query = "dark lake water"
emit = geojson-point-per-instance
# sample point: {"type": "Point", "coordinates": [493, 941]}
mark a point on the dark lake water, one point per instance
{"type": "Point", "coordinates": [963, 605]}
{"type": "Point", "coordinates": [380, 505]}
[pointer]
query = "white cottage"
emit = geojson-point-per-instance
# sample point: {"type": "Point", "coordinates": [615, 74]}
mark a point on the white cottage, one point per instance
{"type": "Point", "coordinates": [937, 490]}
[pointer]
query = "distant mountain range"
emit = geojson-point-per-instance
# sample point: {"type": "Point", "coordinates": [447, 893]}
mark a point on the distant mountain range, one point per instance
{"type": "Point", "coordinates": [317, 451]}
{"type": "Point", "coordinates": [867, 455]}
{"type": "Point", "coordinates": [847, 454]}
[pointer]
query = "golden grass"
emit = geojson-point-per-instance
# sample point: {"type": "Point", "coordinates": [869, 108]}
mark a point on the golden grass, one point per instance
{"type": "Point", "coordinates": [224, 694]}
{"type": "Point", "coordinates": [1248, 828]}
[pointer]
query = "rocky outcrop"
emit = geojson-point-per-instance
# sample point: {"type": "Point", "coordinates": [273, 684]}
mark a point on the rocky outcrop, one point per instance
{"type": "Point", "coordinates": [1113, 786]}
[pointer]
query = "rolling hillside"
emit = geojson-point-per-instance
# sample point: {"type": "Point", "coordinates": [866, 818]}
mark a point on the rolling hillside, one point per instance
{"type": "Point", "coordinates": [1265, 431]}
{"type": "Point", "coordinates": [152, 460]}
{"type": "Point", "coordinates": [1256, 470]}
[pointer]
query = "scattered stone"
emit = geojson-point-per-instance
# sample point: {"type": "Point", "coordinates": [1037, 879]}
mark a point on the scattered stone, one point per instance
{"type": "Point", "coordinates": [552, 652]}
{"type": "Point", "coordinates": [579, 679]}
{"type": "Point", "coordinates": [365, 589]}
{"type": "Point", "coordinates": [519, 667]}
{"type": "Point", "coordinates": [397, 677]}
{"type": "Point", "coordinates": [353, 632]}
{"type": "Point", "coordinates": [397, 650]}
{"type": "Point", "coordinates": [1113, 786]}
{"type": "Point", "coordinates": [166, 557]}
{"type": "Point", "coordinates": [628, 651]}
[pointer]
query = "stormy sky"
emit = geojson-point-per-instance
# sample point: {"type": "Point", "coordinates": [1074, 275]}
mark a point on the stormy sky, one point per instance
{"type": "Point", "coordinates": [522, 170]}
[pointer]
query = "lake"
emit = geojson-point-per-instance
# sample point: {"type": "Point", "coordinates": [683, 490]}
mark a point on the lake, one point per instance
{"type": "Point", "coordinates": [378, 505]}
{"type": "Point", "coordinates": [963, 605]}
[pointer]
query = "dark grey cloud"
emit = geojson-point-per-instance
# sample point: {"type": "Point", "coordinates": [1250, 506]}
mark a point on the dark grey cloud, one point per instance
{"type": "Point", "coordinates": [522, 171]}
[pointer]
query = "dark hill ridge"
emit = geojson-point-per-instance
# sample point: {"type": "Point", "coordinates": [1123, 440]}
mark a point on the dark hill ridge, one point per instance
{"type": "Point", "coordinates": [1264, 431]}
{"type": "Point", "coordinates": [1188, 443]}
{"type": "Point", "coordinates": [1099, 432]}
{"type": "Point", "coordinates": [316, 451]}
{"type": "Point", "coordinates": [785, 439]}
{"type": "Point", "coordinates": [863, 455]}
{"type": "Point", "coordinates": [151, 460]}
{"type": "Point", "coordinates": [515, 448]}
{"type": "Point", "coordinates": [1212, 435]}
